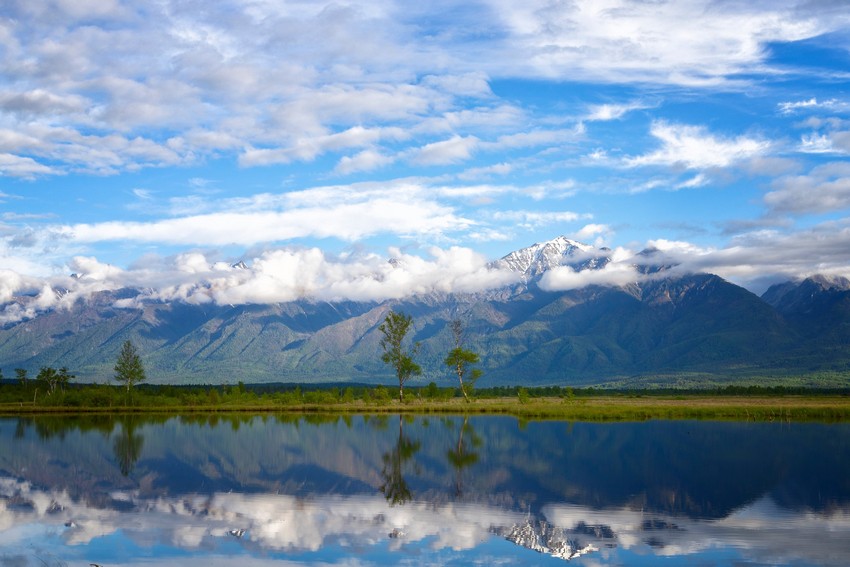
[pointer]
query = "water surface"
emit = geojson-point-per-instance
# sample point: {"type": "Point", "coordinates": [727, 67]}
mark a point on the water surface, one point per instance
{"type": "Point", "coordinates": [389, 490]}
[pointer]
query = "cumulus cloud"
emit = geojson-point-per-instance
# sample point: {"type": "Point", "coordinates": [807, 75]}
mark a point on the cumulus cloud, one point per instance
{"type": "Point", "coordinates": [367, 160]}
{"type": "Point", "coordinates": [17, 166]}
{"type": "Point", "coordinates": [564, 278]}
{"type": "Point", "coordinates": [455, 149]}
{"type": "Point", "coordinates": [277, 275]}
{"type": "Point", "coordinates": [693, 147]}
{"type": "Point", "coordinates": [754, 259]}
{"type": "Point", "coordinates": [825, 188]}
{"type": "Point", "coordinates": [144, 84]}
{"type": "Point", "coordinates": [288, 275]}
{"type": "Point", "coordinates": [589, 231]}
{"type": "Point", "coordinates": [623, 41]}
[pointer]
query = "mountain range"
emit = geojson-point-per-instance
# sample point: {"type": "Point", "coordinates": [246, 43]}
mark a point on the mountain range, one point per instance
{"type": "Point", "coordinates": [668, 329]}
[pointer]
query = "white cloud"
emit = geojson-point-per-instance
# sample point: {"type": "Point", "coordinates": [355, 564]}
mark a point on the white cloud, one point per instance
{"type": "Point", "coordinates": [693, 147]}
{"type": "Point", "coordinates": [824, 189]}
{"type": "Point", "coordinates": [605, 112]}
{"type": "Point", "coordinates": [25, 167]}
{"type": "Point", "coordinates": [532, 138]}
{"type": "Point", "coordinates": [535, 219]}
{"type": "Point", "coordinates": [347, 221]}
{"type": "Point", "coordinates": [454, 150]}
{"type": "Point", "coordinates": [283, 84]}
{"type": "Point", "coordinates": [562, 278]}
{"type": "Point", "coordinates": [283, 275]}
{"type": "Point", "coordinates": [833, 105]}
{"type": "Point", "coordinates": [307, 149]}
{"type": "Point", "coordinates": [473, 84]}
{"type": "Point", "coordinates": [367, 160]}
{"type": "Point", "coordinates": [486, 171]}
{"type": "Point", "coordinates": [697, 43]}
{"type": "Point", "coordinates": [588, 231]}
{"type": "Point", "coordinates": [697, 180]}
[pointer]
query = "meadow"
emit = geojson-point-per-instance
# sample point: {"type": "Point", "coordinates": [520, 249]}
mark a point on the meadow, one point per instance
{"type": "Point", "coordinates": [566, 403]}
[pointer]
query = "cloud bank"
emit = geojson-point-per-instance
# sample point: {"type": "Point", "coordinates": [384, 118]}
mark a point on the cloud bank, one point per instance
{"type": "Point", "coordinates": [276, 275]}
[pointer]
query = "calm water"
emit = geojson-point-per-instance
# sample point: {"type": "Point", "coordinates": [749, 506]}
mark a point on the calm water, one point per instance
{"type": "Point", "coordinates": [438, 491]}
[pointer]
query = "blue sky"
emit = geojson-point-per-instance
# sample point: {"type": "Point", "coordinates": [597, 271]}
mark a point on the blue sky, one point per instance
{"type": "Point", "coordinates": [154, 144]}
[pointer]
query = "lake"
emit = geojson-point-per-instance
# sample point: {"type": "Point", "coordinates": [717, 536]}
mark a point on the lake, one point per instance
{"type": "Point", "coordinates": [389, 490]}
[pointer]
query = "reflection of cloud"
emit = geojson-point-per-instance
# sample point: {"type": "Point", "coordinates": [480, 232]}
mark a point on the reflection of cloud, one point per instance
{"type": "Point", "coordinates": [761, 531]}
{"type": "Point", "coordinates": [273, 522]}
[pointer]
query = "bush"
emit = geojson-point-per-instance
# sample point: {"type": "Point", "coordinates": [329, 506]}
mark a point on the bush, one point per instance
{"type": "Point", "coordinates": [523, 396]}
{"type": "Point", "coordinates": [380, 395]}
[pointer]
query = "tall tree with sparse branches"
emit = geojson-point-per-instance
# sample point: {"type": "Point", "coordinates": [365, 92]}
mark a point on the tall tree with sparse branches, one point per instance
{"type": "Point", "coordinates": [395, 328]}
{"type": "Point", "coordinates": [128, 368]}
{"type": "Point", "coordinates": [459, 359]}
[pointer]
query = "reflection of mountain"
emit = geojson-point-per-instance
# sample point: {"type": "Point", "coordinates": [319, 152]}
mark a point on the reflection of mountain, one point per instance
{"type": "Point", "coordinates": [545, 538]}
{"type": "Point", "coordinates": [692, 469]}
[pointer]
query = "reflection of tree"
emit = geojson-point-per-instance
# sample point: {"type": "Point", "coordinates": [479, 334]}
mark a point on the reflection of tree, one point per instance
{"type": "Point", "coordinates": [50, 426]}
{"type": "Point", "coordinates": [461, 456]}
{"type": "Point", "coordinates": [128, 446]}
{"type": "Point", "coordinates": [395, 487]}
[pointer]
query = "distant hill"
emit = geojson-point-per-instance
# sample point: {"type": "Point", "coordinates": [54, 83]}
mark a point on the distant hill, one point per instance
{"type": "Point", "coordinates": [654, 332]}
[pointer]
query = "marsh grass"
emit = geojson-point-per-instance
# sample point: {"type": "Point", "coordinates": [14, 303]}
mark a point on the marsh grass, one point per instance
{"type": "Point", "coordinates": [635, 406]}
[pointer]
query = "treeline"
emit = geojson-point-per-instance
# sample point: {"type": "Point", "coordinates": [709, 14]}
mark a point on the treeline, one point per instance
{"type": "Point", "coordinates": [72, 395]}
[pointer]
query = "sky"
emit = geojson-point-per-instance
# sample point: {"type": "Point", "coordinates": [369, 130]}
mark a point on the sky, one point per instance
{"type": "Point", "coordinates": [154, 144]}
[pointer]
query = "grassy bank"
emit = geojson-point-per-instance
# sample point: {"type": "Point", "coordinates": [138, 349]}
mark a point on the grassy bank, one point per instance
{"type": "Point", "coordinates": [594, 406]}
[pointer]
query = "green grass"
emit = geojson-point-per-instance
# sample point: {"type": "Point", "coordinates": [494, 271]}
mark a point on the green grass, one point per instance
{"type": "Point", "coordinates": [732, 403]}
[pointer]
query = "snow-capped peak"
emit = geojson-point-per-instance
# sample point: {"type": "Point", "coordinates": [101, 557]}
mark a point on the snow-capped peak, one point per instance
{"type": "Point", "coordinates": [537, 258]}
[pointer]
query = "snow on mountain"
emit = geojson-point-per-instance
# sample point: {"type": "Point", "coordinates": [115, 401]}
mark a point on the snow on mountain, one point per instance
{"type": "Point", "coordinates": [547, 539]}
{"type": "Point", "coordinates": [542, 256]}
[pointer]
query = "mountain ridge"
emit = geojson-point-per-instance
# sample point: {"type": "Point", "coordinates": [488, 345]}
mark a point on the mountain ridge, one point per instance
{"type": "Point", "coordinates": [669, 324]}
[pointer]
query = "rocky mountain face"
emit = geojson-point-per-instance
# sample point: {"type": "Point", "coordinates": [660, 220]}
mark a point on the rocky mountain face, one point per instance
{"type": "Point", "coordinates": [696, 324]}
{"type": "Point", "coordinates": [534, 260]}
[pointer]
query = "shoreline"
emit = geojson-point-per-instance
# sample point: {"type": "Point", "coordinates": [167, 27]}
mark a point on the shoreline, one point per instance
{"type": "Point", "coordinates": [592, 408]}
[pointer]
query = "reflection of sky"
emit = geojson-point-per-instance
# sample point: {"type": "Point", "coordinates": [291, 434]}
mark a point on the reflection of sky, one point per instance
{"type": "Point", "coordinates": [310, 492]}
{"type": "Point", "coordinates": [38, 527]}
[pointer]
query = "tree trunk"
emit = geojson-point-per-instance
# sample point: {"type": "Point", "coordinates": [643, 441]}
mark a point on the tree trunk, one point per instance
{"type": "Point", "coordinates": [460, 379]}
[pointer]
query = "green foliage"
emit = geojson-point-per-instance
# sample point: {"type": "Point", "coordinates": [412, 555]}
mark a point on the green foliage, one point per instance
{"type": "Point", "coordinates": [395, 327]}
{"type": "Point", "coordinates": [128, 368]}
{"type": "Point", "coordinates": [460, 359]}
{"type": "Point", "coordinates": [431, 391]}
{"type": "Point", "coordinates": [523, 395]}
{"type": "Point", "coordinates": [48, 377]}
{"type": "Point", "coordinates": [51, 379]}
{"type": "Point", "coordinates": [380, 395]}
